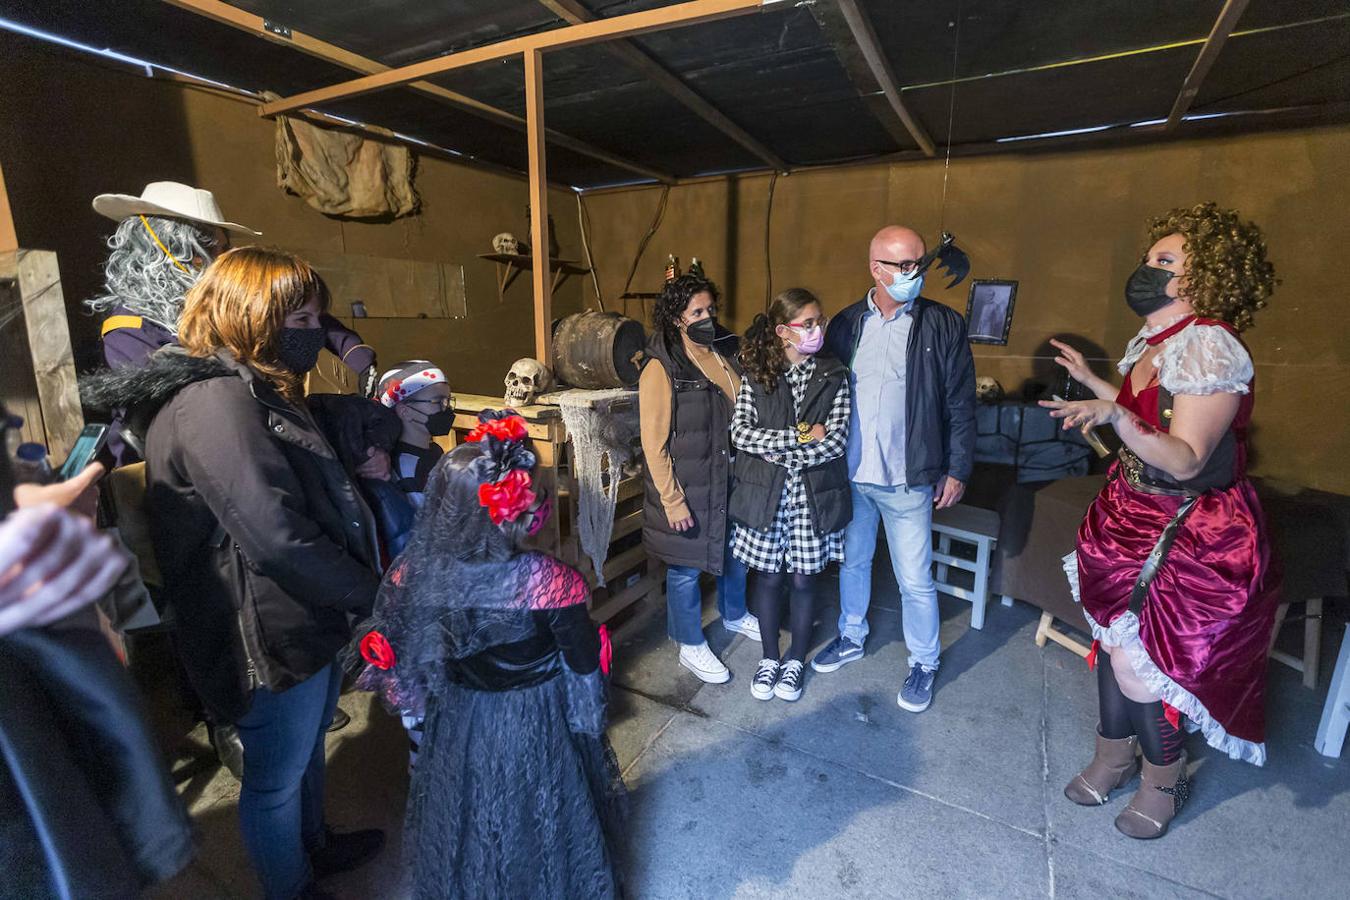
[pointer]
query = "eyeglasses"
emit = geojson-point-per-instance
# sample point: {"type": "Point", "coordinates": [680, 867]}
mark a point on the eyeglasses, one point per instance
{"type": "Point", "coordinates": [906, 266]}
{"type": "Point", "coordinates": [443, 403]}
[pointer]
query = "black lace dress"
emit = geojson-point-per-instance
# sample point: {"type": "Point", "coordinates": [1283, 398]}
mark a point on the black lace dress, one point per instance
{"type": "Point", "coordinates": [516, 793]}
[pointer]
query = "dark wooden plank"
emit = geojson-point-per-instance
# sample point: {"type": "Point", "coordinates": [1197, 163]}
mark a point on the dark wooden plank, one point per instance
{"type": "Point", "coordinates": [1204, 60]}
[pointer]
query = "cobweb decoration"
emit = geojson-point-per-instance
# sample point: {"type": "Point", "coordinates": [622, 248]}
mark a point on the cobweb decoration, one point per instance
{"type": "Point", "coordinates": [601, 447]}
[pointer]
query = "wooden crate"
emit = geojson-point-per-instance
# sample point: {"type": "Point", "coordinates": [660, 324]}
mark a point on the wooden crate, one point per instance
{"type": "Point", "coordinates": [630, 575]}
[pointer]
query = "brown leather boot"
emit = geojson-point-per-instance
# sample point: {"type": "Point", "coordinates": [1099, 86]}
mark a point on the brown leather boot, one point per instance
{"type": "Point", "coordinates": [1112, 766]}
{"type": "Point", "coordinates": [1162, 792]}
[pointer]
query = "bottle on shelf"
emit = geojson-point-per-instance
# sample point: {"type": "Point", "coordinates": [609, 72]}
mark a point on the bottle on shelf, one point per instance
{"type": "Point", "coordinates": [696, 268]}
{"type": "Point", "coordinates": [672, 267]}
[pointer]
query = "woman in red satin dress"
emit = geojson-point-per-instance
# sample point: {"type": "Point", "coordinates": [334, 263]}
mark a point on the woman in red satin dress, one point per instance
{"type": "Point", "coordinates": [1173, 566]}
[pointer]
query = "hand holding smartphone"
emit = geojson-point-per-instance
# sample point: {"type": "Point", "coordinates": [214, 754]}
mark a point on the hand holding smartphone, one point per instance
{"type": "Point", "coordinates": [87, 446]}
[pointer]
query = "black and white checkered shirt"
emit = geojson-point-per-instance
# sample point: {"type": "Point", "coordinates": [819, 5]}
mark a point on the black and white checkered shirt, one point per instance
{"type": "Point", "coordinates": [792, 539]}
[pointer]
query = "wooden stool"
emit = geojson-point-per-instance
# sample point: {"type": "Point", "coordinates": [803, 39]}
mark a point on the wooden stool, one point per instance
{"type": "Point", "coordinates": [972, 526]}
{"type": "Point", "coordinates": [1046, 631]}
{"type": "Point", "coordinates": [1312, 641]}
{"type": "Point", "coordinates": [1336, 711]}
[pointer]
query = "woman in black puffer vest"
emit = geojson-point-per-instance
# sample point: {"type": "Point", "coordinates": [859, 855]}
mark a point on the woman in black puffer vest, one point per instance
{"type": "Point", "coordinates": [686, 393]}
{"type": "Point", "coordinates": [791, 500]}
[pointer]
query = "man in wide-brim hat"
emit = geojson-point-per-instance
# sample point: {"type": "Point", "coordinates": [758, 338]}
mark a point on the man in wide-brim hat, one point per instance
{"type": "Point", "coordinates": [165, 238]}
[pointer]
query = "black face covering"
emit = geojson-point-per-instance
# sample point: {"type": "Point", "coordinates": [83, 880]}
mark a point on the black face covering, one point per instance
{"type": "Point", "coordinates": [1146, 289]}
{"type": "Point", "coordinates": [704, 331]}
{"type": "Point", "coordinates": [298, 348]}
{"type": "Point", "coordinates": [440, 423]}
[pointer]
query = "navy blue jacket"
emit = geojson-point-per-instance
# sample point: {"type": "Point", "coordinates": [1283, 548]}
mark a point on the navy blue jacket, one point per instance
{"type": "Point", "coordinates": [940, 381]}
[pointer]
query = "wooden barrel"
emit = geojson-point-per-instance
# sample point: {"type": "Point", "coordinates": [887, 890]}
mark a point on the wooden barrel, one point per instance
{"type": "Point", "coordinates": [595, 350]}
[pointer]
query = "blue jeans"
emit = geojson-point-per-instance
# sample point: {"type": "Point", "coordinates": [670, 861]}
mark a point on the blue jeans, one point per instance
{"type": "Point", "coordinates": [684, 599]}
{"type": "Point", "coordinates": [281, 797]}
{"type": "Point", "coordinates": [907, 514]}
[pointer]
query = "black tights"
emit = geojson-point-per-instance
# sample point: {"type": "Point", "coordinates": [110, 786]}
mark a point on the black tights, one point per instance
{"type": "Point", "coordinates": [766, 599]}
{"type": "Point", "coordinates": [1122, 717]}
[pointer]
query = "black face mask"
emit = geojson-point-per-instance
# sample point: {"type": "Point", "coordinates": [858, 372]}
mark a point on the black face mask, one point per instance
{"type": "Point", "coordinates": [1146, 289]}
{"type": "Point", "coordinates": [703, 332]}
{"type": "Point", "coordinates": [298, 348]}
{"type": "Point", "coordinates": [440, 423]}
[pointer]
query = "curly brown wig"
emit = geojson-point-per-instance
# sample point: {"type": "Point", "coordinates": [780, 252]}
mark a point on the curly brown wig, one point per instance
{"type": "Point", "coordinates": [1227, 274]}
{"type": "Point", "coordinates": [762, 349]}
{"type": "Point", "coordinates": [674, 300]}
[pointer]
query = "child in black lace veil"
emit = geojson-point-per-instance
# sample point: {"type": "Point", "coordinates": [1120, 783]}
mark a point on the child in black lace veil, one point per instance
{"type": "Point", "coordinates": [516, 792]}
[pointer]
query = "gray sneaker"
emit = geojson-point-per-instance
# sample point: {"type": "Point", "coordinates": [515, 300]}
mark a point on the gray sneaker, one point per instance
{"type": "Point", "coordinates": [917, 691]}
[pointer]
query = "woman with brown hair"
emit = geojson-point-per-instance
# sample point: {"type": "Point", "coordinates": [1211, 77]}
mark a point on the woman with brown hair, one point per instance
{"type": "Point", "coordinates": [1173, 564]}
{"type": "Point", "coordinates": [687, 391]}
{"type": "Point", "coordinates": [265, 545]}
{"type": "Point", "coordinates": [791, 499]}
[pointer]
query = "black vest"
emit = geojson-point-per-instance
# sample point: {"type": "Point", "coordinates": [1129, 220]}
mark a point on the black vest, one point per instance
{"type": "Point", "coordinates": [759, 483]}
{"type": "Point", "coordinates": [700, 452]}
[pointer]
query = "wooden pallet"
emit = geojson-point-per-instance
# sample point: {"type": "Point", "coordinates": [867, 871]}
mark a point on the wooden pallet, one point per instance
{"type": "Point", "coordinates": [630, 575]}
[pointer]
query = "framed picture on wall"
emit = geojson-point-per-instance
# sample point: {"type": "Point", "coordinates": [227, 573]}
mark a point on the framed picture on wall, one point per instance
{"type": "Point", "coordinates": [989, 310]}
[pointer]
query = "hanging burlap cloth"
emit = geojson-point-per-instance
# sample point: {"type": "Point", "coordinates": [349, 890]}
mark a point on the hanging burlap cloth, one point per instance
{"type": "Point", "coordinates": [344, 174]}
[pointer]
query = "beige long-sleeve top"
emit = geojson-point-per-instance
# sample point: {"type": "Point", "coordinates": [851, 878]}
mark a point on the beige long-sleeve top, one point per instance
{"type": "Point", "coordinates": [654, 399]}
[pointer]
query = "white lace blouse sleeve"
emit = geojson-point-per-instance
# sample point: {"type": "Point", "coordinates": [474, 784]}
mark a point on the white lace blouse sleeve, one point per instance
{"type": "Point", "coordinates": [1204, 359]}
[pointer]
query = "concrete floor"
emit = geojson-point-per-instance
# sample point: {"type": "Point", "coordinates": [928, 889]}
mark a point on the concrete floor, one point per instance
{"type": "Point", "coordinates": [843, 794]}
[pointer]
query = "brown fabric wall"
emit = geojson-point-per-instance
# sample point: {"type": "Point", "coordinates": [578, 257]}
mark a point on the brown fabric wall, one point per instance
{"type": "Point", "coordinates": [1069, 228]}
{"type": "Point", "coordinates": [70, 129]}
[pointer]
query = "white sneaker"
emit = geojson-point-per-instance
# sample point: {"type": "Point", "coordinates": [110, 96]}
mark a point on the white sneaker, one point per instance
{"type": "Point", "coordinates": [789, 686]}
{"type": "Point", "coordinates": [699, 659]}
{"type": "Point", "coordinates": [765, 676]}
{"type": "Point", "coordinates": [747, 625]}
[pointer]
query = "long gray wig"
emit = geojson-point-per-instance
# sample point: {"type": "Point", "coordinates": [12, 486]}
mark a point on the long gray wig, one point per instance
{"type": "Point", "coordinates": [140, 277]}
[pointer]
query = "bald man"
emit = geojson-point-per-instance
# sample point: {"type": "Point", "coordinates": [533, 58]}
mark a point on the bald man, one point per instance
{"type": "Point", "coordinates": [911, 447]}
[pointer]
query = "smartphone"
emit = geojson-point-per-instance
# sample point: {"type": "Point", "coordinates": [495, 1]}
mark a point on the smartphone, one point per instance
{"type": "Point", "coordinates": [87, 446]}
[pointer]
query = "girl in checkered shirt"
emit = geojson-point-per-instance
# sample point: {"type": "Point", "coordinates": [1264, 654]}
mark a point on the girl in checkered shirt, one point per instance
{"type": "Point", "coordinates": [791, 499]}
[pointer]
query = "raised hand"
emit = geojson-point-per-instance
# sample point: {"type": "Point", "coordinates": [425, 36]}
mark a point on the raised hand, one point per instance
{"type": "Point", "coordinates": [1084, 414]}
{"type": "Point", "coordinates": [52, 563]}
{"type": "Point", "coordinates": [1073, 361]}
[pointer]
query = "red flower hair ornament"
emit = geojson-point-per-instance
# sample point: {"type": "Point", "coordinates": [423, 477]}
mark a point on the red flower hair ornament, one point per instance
{"type": "Point", "coordinates": [375, 649]}
{"type": "Point", "coordinates": [510, 428]}
{"type": "Point", "coordinates": [507, 499]}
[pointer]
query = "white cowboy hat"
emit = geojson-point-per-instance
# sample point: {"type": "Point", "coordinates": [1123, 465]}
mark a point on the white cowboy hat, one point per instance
{"type": "Point", "coordinates": [171, 200]}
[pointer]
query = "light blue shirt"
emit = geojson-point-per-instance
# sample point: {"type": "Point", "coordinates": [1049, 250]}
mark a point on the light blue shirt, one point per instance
{"type": "Point", "coordinates": [876, 435]}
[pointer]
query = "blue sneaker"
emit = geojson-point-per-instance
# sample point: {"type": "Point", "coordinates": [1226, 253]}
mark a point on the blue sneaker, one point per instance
{"type": "Point", "coordinates": [837, 652]}
{"type": "Point", "coordinates": [917, 691]}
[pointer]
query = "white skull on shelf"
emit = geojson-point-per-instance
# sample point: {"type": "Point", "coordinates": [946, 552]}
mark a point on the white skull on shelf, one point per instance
{"type": "Point", "coordinates": [506, 243]}
{"type": "Point", "coordinates": [988, 390]}
{"type": "Point", "coordinates": [527, 379]}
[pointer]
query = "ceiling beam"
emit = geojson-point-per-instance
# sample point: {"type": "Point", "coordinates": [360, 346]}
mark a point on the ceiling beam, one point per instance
{"type": "Point", "coordinates": [840, 38]}
{"type": "Point", "coordinates": [574, 13]}
{"type": "Point", "coordinates": [1204, 60]}
{"type": "Point", "coordinates": [688, 13]}
{"type": "Point", "coordinates": [866, 38]}
{"type": "Point", "coordinates": [1308, 116]}
{"type": "Point", "coordinates": [226, 14]}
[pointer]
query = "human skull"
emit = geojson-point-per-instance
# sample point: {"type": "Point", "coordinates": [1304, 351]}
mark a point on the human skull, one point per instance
{"type": "Point", "coordinates": [506, 243]}
{"type": "Point", "coordinates": [527, 379]}
{"type": "Point", "coordinates": [988, 390]}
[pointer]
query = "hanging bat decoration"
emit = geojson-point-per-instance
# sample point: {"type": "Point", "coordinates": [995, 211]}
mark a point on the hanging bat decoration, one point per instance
{"type": "Point", "coordinates": [948, 256]}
